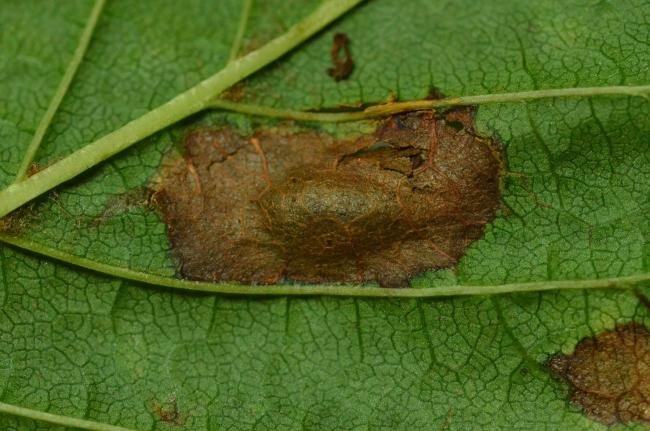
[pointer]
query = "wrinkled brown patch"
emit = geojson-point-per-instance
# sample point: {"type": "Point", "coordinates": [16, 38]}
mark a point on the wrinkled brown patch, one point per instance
{"type": "Point", "coordinates": [610, 374]}
{"type": "Point", "coordinates": [306, 207]}
{"type": "Point", "coordinates": [341, 58]}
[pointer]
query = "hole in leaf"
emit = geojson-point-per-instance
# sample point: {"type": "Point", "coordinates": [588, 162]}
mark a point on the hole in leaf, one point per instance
{"type": "Point", "coordinates": [341, 58]}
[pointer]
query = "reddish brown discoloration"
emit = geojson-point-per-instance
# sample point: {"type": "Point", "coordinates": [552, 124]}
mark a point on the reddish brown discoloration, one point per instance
{"type": "Point", "coordinates": [236, 93]}
{"type": "Point", "coordinates": [33, 169]}
{"type": "Point", "coordinates": [307, 207]}
{"type": "Point", "coordinates": [168, 412]}
{"type": "Point", "coordinates": [341, 58]}
{"type": "Point", "coordinates": [610, 375]}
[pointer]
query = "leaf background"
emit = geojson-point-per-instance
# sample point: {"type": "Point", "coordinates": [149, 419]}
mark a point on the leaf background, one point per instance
{"type": "Point", "coordinates": [576, 205]}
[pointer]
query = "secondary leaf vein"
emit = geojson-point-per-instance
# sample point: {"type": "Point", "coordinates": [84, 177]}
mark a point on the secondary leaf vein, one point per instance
{"type": "Point", "coordinates": [62, 89]}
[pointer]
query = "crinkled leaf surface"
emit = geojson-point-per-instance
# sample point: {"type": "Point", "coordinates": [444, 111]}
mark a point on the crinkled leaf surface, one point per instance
{"type": "Point", "coordinates": [576, 206]}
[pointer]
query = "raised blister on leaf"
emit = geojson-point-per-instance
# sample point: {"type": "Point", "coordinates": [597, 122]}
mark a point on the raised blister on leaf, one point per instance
{"type": "Point", "coordinates": [282, 205]}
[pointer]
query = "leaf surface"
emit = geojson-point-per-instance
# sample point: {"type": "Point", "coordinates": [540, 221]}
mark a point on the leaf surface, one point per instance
{"type": "Point", "coordinates": [576, 205]}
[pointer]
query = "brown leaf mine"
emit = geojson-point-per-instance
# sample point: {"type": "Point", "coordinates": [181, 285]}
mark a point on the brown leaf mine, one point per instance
{"type": "Point", "coordinates": [609, 375]}
{"type": "Point", "coordinates": [306, 207]}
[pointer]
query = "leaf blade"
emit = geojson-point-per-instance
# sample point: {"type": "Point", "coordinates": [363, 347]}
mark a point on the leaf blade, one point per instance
{"type": "Point", "coordinates": [185, 104]}
{"type": "Point", "coordinates": [61, 90]}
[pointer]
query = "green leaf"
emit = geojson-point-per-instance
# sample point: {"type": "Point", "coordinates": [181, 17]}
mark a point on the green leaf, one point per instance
{"type": "Point", "coordinates": [88, 330]}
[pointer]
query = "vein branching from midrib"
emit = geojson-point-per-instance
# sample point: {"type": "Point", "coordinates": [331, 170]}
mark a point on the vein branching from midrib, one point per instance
{"type": "Point", "coordinates": [183, 105]}
{"type": "Point", "coordinates": [385, 109]}
{"type": "Point", "coordinates": [372, 112]}
{"type": "Point", "coordinates": [66, 421]}
{"type": "Point", "coordinates": [320, 290]}
{"type": "Point", "coordinates": [203, 96]}
{"type": "Point", "coordinates": [61, 91]}
{"type": "Point", "coordinates": [17, 195]}
{"type": "Point", "coordinates": [241, 29]}
{"type": "Point", "coordinates": [191, 101]}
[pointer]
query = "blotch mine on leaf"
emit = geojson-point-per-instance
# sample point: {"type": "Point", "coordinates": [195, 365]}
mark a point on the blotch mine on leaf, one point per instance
{"type": "Point", "coordinates": [341, 58]}
{"type": "Point", "coordinates": [306, 207]}
{"type": "Point", "coordinates": [609, 375]}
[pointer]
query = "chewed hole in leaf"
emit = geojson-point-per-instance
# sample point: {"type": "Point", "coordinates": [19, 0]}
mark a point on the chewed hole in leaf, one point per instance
{"type": "Point", "coordinates": [341, 58]}
{"type": "Point", "coordinates": [281, 205]}
{"type": "Point", "coordinates": [609, 375]}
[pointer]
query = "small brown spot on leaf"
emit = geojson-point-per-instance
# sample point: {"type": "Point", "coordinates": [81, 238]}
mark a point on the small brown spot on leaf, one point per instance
{"type": "Point", "coordinates": [168, 412]}
{"type": "Point", "coordinates": [434, 94]}
{"type": "Point", "coordinates": [609, 375]}
{"type": "Point", "coordinates": [19, 220]}
{"type": "Point", "coordinates": [33, 169]}
{"type": "Point", "coordinates": [447, 422]}
{"type": "Point", "coordinates": [303, 206]}
{"type": "Point", "coordinates": [236, 93]}
{"type": "Point", "coordinates": [341, 58]}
